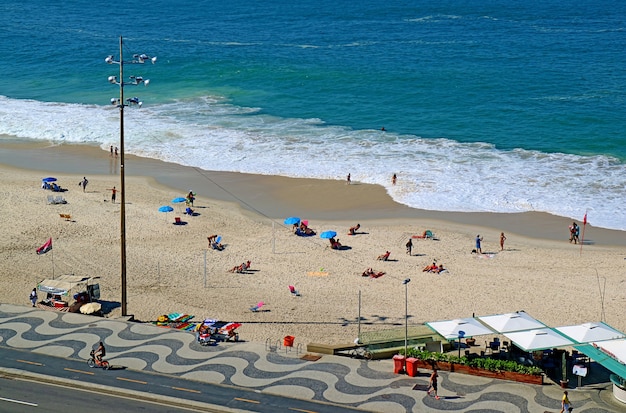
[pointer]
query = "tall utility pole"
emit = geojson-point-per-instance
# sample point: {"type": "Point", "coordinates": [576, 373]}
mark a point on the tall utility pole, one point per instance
{"type": "Point", "coordinates": [121, 103]}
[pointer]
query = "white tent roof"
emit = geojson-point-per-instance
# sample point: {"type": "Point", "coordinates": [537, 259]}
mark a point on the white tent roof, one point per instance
{"type": "Point", "coordinates": [615, 348]}
{"type": "Point", "coordinates": [450, 328]}
{"type": "Point", "coordinates": [538, 339]}
{"type": "Point", "coordinates": [589, 332]}
{"type": "Point", "coordinates": [504, 323]}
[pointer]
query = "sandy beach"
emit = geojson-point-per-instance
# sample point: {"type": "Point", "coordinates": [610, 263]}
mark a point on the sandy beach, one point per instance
{"type": "Point", "coordinates": [170, 269]}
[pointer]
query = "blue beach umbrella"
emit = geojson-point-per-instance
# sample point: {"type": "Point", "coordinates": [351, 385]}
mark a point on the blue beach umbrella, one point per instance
{"type": "Point", "coordinates": [49, 179]}
{"type": "Point", "coordinates": [328, 234]}
{"type": "Point", "coordinates": [166, 209]}
{"type": "Point", "coordinates": [178, 200]}
{"type": "Point", "coordinates": [292, 220]}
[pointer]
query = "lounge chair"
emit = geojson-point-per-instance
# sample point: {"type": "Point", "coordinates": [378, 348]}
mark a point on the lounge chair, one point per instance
{"type": "Point", "coordinates": [51, 199]}
{"type": "Point", "coordinates": [384, 257]}
{"type": "Point", "coordinates": [59, 200]}
{"type": "Point", "coordinates": [293, 291]}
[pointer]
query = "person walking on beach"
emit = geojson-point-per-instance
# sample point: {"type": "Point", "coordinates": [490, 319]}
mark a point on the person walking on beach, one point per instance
{"type": "Point", "coordinates": [394, 178]}
{"type": "Point", "coordinates": [33, 297]}
{"type": "Point", "coordinates": [348, 180]}
{"type": "Point", "coordinates": [113, 192]}
{"type": "Point", "coordinates": [565, 404]}
{"type": "Point", "coordinates": [478, 241]}
{"type": "Point", "coordinates": [111, 149]}
{"type": "Point", "coordinates": [502, 239]}
{"type": "Point", "coordinates": [84, 183]}
{"type": "Point", "coordinates": [574, 232]}
{"type": "Point", "coordinates": [116, 151]}
{"type": "Point", "coordinates": [432, 384]}
{"type": "Point", "coordinates": [409, 246]}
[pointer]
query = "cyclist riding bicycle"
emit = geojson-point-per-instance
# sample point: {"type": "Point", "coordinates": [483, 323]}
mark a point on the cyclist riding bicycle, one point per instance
{"type": "Point", "coordinates": [100, 352]}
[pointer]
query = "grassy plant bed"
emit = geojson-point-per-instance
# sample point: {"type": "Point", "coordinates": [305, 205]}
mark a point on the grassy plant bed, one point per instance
{"type": "Point", "coordinates": [484, 367]}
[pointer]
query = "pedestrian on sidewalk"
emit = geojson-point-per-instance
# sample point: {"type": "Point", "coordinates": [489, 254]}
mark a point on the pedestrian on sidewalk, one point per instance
{"type": "Point", "coordinates": [33, 297]}
{"type": "Point", "coordinates": [432, 384]}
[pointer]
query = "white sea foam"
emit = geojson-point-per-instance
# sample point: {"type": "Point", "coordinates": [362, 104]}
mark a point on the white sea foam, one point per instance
{"type": "Point", "coordinates": [435, 174]}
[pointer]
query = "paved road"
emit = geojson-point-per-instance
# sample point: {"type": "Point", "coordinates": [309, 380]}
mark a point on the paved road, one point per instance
{"type": "Point", "coordinates": [265, 372]}
{"type": "Point", "coordinates": [18, 396]}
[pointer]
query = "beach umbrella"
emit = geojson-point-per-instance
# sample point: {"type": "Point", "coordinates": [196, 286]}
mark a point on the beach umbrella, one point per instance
{"type": "Point", "coordinates": [49, 179]}
{"type": "Point", "coordinates": [292, 220]}
{"type": "Point", "coordinates": [450, 328]}
{"type": "Point", "coordinates": [538, 339]}
{"type": "Point", "coordinates": [328, 234]}
{"type": "Point", "coordinates": [166, 209]}
{"type": "Point", "coordinates": [590, 332]}
{"type": "Point", "coordinates": [178, 200]}
{"type": "Point", "coordinates": [518, 321]}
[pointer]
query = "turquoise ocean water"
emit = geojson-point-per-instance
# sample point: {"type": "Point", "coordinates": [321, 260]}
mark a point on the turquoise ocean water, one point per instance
{"type": "Point", "coordinates": [501, 106]}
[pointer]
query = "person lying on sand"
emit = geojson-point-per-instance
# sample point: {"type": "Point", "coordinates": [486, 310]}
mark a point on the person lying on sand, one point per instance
{"type": "Point", "coordinates": [430, 268]}
{"type": "Point", "coordinates": [384, 257]}
{"type": "Point", "coordinates": [371, 273]}
{"type": "Point", "coordinates": [306, 230]}
{"type": "Point", "coordinates": [354, 229]}
{"type": "Point", "coordinates": [241, 268]}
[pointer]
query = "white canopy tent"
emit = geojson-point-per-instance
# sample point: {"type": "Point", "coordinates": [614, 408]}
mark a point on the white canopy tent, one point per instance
{"type": "Point", "coordinates": [469, 326]}
{"type": "Point", "coordinates": [538, 339]}
{"type": "Point", "coordinates": [615, 348]}
{"type": "Point", "coordinates": [505, 323]}
{"type": "Point", "coordinates": [590, 332]}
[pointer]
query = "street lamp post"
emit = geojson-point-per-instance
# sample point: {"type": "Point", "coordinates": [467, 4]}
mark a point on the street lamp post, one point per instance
{"type": "Point", "coordinates": [406, 319]}
{"type": "Point", "coordinates": [121, 103]}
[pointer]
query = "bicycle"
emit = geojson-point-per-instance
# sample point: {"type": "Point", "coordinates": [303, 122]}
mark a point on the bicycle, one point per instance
{"type": "Point", "coordinates": [361, 353]}
{"type": "Point", "coordinates": [94, 362]}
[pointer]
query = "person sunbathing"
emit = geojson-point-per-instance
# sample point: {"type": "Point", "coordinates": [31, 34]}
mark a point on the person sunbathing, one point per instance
{"type": "Point", "coordinates": [384, 257]}
{"type": "Point", "coordinates": [217, 246]}
{"type": "Point", "coordinates": [354, 229]}
{"type": "Point", "coordinates": [241, 268]}
{"type": "Point", "coordinates": [430, 268]}
{"type": "Point", "coordinates": [334, 243]}
{"type": "Point", "coordinates": [306, 230]}
{"type": "Point", "coordinates": [371, 273]}
{"type": "Point", "coordinates": [439, 269]}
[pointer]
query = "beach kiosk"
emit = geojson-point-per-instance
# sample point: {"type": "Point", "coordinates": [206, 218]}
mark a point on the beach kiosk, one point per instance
{"type": "Point", "coordinates": [62, 291]}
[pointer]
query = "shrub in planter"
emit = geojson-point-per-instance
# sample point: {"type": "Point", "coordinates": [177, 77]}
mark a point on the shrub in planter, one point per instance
{"type": "Point", "coordinates": [489, 364]}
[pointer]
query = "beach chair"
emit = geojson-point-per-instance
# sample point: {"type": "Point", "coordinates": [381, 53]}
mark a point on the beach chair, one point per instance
{"type": "Point", "coordinates": [50, 199]}
{"type": "Point", "coordinates": [177, 221]}
{"type": "Point", "coordinates": [293, 291]}
{"type": "Point", "coordinates": [428, 234]}
{"type": "Point", "coordinates": [59, 200]}
{"type": "Point", "coordinates": [257, 307]}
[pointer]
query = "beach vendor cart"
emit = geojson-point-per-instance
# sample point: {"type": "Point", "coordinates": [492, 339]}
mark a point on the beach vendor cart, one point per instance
{"type": "Point", "coordinates": [68, 292]}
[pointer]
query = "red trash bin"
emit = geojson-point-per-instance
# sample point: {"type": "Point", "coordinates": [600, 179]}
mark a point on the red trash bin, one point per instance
{"type": "Point", "coordinates": [288, 341]}
{"type": "Point", "coordinates": [411, 366]}
{"type": "Point", "coordinates": [398, 364]}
